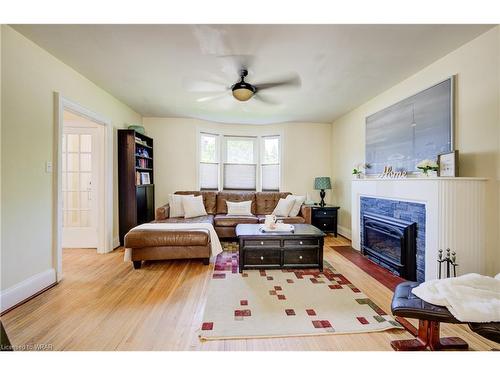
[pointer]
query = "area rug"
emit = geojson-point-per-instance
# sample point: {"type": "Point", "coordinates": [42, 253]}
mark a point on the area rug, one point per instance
{"type": "Point", "coordinates": [281, 303]}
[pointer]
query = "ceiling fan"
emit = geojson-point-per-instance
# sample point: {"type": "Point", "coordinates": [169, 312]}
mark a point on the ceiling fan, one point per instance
{"type": "Point", "coordinates": [244, 91]}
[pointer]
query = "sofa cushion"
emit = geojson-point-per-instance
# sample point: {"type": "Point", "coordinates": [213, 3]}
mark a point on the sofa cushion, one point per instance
{"type": "Point", "coordinates": [266, 201]}
{"type": "Point", "coordinates": [209, 199]}
{"type": "Point", "coordinates": [286, 220]}
{"type": "Point", "coordinates": [200, 219]}
{"type": "Point", "coordinates": [235, 196]}
{"type": "Point", "coordinates": [138, 238]}
{"type": "Point", "coordinates": [284, 206]}
{"type": "Point", "coordinates": [175, 203]}
{"type": "Point", "coordinates": [193, 206]}
{"type": "Point", "coordinates": [239, 208]}
{"type": "Point", "coordinates": [298, 202]}
{"type": "Point", "coordinates": [233, 220]}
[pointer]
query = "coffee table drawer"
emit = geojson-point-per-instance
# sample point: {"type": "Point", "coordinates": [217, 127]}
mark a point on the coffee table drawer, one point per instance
{"type": "Point", "coordinates": [262, 257]}
{"type": "Point", "coordinates": [261, 243]}
{"type": "Point", "coordinates": [299, 243]}
{"type": "Point", "coordinates": [305, 256]}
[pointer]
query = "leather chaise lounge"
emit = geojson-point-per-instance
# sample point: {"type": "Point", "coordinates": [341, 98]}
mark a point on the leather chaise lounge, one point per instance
{"type": "Point", "coordinates": [195, 244]}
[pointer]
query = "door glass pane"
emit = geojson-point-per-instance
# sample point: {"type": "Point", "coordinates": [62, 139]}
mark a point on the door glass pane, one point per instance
{"type": "Point", "coordinates": [84, 218]}
{"type": "Point", "coordinates": [73, 163]}
{"type": "Point", "coordinates": [85, 143]}
{"type": "Point", "coordinates": [73, 143]}
{"type": "Point", "coordinates": [64, 141]}
{"type": "Point", "coordinates": [72, 181]}
{"type": "Point", "coordinates": [72, 201]}
{"type": "Point", "coordinates": [85, 200]}
{"type": "Point", "coordinates": [64, 179]}
{"type": "Point", "coordinates": [73, 218]}
{"type": "Point", "coordinates": [85, 181]}
{"type": "Point", "coordinates": [85, 162]}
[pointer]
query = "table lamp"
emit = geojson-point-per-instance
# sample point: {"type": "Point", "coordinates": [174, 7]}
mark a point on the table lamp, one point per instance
{"type": "Point", "coordinates": [322, 183]}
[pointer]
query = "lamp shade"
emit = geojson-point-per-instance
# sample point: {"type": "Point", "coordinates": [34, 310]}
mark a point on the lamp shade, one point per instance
{"type": "Point", "coordinates": [322, 183]}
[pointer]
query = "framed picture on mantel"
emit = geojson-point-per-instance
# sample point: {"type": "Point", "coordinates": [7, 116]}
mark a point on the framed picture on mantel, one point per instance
{"type": "Point", "coordinates": [448, 164]}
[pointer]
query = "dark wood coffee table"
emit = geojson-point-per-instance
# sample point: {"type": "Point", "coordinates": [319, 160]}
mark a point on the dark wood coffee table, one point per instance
{"type": "Point", "coordinates": [301, 249]}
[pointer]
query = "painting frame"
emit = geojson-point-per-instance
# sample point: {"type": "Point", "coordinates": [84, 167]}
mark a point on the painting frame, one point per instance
{"type": "Point", "coordinates": [448, 164]}
{"type": "Point", "coordinates": [410, 102]}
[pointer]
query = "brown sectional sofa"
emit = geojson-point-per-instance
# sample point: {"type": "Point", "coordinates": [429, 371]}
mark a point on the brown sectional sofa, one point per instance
{"type": "Point", "coordinates": [215, 204]}
{"type": "Point", "coordinates": [182, 244]}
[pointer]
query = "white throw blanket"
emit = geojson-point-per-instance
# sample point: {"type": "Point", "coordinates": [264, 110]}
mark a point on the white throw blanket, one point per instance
{"type": "Point", "coordinates": [215, 245]}
{"type": "Point", "coordinates": [470, 298]}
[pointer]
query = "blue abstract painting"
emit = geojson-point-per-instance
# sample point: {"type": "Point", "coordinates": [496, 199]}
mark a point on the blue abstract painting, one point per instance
{"type": "Point", "coordinates": [416, 128]}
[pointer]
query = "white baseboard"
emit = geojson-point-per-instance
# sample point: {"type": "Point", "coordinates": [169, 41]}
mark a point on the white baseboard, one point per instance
{"type": "Point", "coordinates": [344, 232]}
{"type": "Point", "coordinates": [25, 289]}
{"type": "Point", "coordinates": [116, 242]}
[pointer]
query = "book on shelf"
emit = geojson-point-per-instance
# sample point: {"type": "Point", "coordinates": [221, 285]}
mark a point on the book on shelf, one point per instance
{"type": "Point", "coordinates": [142, 163]}
{"type": "Point", "coordinates": [137, 178]}
{"type": "Point", "coordinates": [145, 180]}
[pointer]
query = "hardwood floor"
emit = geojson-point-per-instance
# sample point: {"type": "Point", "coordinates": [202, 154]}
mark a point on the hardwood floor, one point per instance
{"type": "Point", "coordinates": [104, 304]}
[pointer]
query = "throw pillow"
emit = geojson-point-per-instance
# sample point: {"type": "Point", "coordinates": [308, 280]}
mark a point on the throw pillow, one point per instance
{"type": "Point", "coordinates": [283, 207]}
{"type": "Point", "coordinates": [193, 206]}
{"type": "Point", "coordinates": [175, 203]}
{"type": "Point", "coordinates": [298, 202]}
{"type": "Point", "coordinates": [239, 208]}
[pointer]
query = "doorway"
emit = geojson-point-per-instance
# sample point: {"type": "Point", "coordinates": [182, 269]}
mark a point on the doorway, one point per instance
{"type": "Point", "coordinates": [83, 197]}
{"type": "Point", "coordinates": [81, 187]}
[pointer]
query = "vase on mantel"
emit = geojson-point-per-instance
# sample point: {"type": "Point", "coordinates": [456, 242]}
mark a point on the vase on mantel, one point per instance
{"type": "Point", "coordinates": [429, 173]}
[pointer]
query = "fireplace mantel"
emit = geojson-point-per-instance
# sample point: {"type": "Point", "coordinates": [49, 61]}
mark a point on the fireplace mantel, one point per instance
{"type": "Point", "coordinates": [455, 215]}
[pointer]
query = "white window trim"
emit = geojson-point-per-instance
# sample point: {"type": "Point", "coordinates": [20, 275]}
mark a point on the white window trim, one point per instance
{"type": "Point", "coordinates": [280, 161]}
{"type": "Point", "coordinates": [259, 135]}
{"type": "Point", "coordinates": [217, 153]}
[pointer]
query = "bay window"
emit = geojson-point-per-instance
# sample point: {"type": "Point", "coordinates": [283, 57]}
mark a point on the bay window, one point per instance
{"type": "Point", "coordinates": [230, 162]}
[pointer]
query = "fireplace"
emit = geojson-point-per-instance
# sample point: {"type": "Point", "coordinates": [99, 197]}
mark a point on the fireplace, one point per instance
{"type": "Point", "coordinates": [391, 243]}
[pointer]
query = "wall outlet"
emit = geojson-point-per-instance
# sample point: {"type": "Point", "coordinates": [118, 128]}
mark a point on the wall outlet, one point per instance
{"type": "Point", "coordinates": [48, 167]}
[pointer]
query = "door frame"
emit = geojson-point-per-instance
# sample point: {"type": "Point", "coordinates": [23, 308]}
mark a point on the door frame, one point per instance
{"type": "Point", "coordinates": [105, 221]}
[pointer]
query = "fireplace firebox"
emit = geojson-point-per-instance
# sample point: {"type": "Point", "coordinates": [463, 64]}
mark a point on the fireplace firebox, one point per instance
{"type": "Point", "coordinates": [391, 243]}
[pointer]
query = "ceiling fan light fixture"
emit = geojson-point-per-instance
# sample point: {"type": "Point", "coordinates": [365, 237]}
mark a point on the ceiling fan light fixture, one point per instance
{"type": "Point", "coordinates": [242, 91]}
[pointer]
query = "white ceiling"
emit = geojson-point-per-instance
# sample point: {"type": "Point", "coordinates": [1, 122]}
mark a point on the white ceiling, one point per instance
{"type": "Point", "coordinates": [151, 67]}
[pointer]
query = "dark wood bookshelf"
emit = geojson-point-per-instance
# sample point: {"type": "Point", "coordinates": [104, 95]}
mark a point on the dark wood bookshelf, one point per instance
{"type": "Point", "coordinates": [136, 199]}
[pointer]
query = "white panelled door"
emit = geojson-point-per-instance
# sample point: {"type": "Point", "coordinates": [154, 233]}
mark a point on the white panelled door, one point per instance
{"type": "Point", "coordinates": [80, 182]}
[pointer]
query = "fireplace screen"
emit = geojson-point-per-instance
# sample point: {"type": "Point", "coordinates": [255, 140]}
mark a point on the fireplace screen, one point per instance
{"type": "Point", "coordinates": [384, 243]}
{"type": "Point", "coordinates": [391, 243]}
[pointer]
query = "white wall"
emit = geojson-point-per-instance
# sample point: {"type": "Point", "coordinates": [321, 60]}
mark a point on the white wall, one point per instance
{"type": "Point", "coordinates": [476, 65]}
{"type": "Point", "coordinates": [30, 75]}
{"type": "Point", "coordinates": [306, 153]}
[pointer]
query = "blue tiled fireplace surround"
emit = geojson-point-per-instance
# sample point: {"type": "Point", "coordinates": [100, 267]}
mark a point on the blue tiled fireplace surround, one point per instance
{"type": "Point", "coordinates": [404, 210]}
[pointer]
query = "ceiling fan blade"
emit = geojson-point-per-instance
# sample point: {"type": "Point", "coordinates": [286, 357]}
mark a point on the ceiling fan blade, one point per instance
{"type": "Point", "coordinates": [265, 99]}
{"type": "Point", "coordinates": [291, 80]}
{"type": "Point", "coordinates": [203, 86]}
{"type": "Point", "coordinates": [233, 64]}
{"type": "Point", "coordinates": [211, 97]}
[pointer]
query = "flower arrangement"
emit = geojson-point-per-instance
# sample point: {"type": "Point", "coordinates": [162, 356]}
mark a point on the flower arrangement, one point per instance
{"type": "Point", "coordinates": [427, 165]}
{"type": "Point", "coordinates": [359, 169]}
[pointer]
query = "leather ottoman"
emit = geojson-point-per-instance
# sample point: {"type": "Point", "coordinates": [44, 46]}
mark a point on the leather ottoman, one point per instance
{"type": "Point", "coordinates": [407, 305]}
{"type": "Point", "coordinates": [143, 244]}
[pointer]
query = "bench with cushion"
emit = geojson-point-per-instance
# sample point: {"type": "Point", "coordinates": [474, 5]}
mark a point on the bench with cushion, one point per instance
{"type": "Point", "coordinates": [169, 244]}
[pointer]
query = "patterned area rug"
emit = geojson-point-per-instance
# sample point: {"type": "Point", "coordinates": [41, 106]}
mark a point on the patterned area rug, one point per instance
{"type": "Point", "coordinates": [280, 303]}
